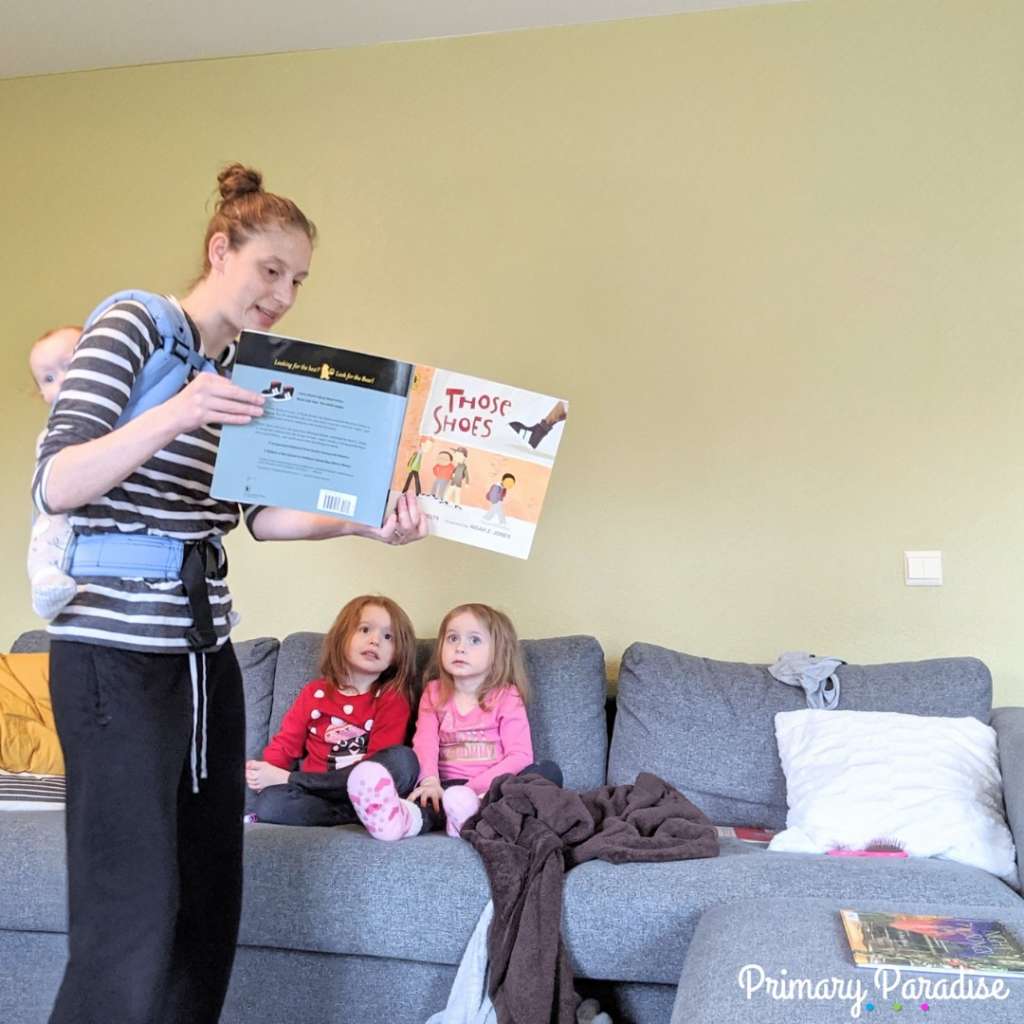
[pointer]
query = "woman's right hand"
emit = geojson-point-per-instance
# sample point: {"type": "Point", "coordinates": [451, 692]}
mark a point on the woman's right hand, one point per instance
{"type": "Point", "coordinates": [210, 398]}
{"type": "Point", "coordinates": [428, 789]}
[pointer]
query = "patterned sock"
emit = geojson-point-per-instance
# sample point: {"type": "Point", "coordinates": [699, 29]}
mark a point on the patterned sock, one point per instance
{"type": "Point", "coordinates": [460, 803]}
{"type": "Point", "coordinates": [378, 806]}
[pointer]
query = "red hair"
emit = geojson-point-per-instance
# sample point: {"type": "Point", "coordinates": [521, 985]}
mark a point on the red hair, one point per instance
{"type": "Point", "coordinates": [399, 675]}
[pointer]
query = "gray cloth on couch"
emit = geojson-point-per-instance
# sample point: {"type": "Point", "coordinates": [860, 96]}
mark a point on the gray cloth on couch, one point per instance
{"type": "Point", "coordinates": [527, 831]}
{"type": "Point", "coordinates": [815, 676]}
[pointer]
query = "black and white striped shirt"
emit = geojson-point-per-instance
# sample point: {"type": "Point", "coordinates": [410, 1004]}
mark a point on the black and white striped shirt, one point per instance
{"type": "Point", "coordinates": [169, 495]}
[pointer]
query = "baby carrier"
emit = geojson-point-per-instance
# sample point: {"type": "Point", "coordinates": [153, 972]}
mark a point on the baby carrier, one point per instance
{"type": "Point", "coordinates": [142, 555]}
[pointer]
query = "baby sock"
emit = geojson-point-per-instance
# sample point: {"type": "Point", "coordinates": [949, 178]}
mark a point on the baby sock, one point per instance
{"type": "Point", "coordinates": [52, 590]}
{"type": "Point", "coordinates": [460, 803]}
{"type": "Point", "coordinates": [378, 806]}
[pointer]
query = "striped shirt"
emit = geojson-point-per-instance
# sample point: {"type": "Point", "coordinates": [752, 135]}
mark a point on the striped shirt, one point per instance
{"type": "Point", "coordinates": [168, 496]}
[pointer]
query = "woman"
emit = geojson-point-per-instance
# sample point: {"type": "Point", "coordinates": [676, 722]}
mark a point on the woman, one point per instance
{"type": "Point", "coordinates": [146, 689]}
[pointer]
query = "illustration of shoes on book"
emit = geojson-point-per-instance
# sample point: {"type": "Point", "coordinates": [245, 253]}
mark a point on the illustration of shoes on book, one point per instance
{"type": "Point", "coordinates": [535, 434]}
{"type": "Point", "coordinates": [273, 389]}
{"type": "Point", "coordinates": [284, 394]}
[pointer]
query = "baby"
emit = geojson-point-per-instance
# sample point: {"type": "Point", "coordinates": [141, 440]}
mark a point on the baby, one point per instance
{"type": "Point", "coordinates": [52, 588]}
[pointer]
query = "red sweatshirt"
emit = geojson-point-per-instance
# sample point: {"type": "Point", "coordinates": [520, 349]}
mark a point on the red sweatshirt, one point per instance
{"type": "Point", "coordinates": [329, 730]}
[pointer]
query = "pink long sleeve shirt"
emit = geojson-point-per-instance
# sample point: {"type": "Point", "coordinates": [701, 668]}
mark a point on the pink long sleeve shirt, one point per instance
{"type": "Point", "coordinates": [477, 746]}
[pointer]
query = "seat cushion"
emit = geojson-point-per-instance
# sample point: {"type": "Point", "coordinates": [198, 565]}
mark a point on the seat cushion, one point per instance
{"type": "Point", "coordinates": [803, 941]}
{"type": "Point", "coordinates": [338, 890]}
{"type": "Point", "coordinates": [708, 727]}
{"type": "Point", "coordinates": [633, 922]}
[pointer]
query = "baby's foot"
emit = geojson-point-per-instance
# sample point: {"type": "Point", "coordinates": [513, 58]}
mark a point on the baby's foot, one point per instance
{"type": "Point", "coordinates": [378, 806]}
{"type": "Point", "coordinates": [52, 590]}
{"type": "Point", "coordinates": [460, 803]}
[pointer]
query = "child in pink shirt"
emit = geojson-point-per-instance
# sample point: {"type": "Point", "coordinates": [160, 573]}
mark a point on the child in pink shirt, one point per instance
{"type": "Point", "coordinates": [471, 728]}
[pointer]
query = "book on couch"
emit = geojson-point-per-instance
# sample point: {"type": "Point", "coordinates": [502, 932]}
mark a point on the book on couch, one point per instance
{"type": "Point", "coordinates": [922, 942]}
{"type": "Point", "coordinates": [345, 433]}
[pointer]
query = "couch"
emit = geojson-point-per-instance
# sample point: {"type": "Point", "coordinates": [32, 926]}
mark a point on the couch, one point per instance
{"type": "Point", "coordinates": [338, 926]}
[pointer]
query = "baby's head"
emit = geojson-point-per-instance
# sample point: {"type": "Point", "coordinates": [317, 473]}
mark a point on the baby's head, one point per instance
{"type": "Point", "coordinates": [49, 360]}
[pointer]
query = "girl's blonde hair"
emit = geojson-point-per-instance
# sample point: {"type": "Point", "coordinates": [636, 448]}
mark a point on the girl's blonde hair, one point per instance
{"type": "Point", "coordinates": [507, 667]}
{"type": "Point", "coordinates": [400, 675]}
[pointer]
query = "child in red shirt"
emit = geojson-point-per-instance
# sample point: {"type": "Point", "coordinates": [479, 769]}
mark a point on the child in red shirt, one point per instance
{"type": "Point", "coordinates": [358, 710]}
{"type": "Point", "coordinates": [471, 728]}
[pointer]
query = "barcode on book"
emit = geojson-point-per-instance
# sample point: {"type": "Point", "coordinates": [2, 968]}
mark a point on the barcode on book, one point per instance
{"type": "Point", "coordinates": [336, 501]}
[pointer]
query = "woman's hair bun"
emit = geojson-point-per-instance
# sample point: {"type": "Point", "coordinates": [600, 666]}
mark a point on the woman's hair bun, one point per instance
{"type": "Point", "coordinates": [237, 180]}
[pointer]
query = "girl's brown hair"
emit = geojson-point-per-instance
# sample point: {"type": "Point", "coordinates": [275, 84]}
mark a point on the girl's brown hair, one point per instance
{"type": "Point", "coordinates": [245, 210]}
{"type": "Point", "coordinates": [507, 667]}
{"type": "Point", "coordinates": [399, 675]}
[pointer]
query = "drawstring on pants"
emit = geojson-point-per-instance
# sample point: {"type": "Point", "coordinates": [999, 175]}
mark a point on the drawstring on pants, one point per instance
{"type": "Point", "coordinates": [197, 754]}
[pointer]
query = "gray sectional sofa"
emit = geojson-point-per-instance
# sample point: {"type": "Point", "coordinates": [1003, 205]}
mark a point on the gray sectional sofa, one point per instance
{"type": "Point", "coordinates": [340, 927]}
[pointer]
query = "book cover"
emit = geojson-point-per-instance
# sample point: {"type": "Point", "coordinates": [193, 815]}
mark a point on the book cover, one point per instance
{"type": "Point", "coordinates": [327, 438]}
{"type": "Point", "coordinates": [479, 454]}
{"type": "Point", "coordinates": [922, 942]}
{"type": "Point", "coordinates": [345, 433]}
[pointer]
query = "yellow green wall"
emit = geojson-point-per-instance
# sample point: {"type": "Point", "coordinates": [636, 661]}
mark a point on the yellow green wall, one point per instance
{"type": "Point", "coordinates": [773, 256]}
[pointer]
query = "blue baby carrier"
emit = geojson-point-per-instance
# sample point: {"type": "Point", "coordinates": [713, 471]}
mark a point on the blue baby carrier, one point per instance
{"type": "Point", "coordinates": [141, 555]}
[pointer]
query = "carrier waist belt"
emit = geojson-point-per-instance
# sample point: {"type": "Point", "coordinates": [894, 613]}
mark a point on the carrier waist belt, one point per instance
{"type": "Point", "coordinates": [139, 555]}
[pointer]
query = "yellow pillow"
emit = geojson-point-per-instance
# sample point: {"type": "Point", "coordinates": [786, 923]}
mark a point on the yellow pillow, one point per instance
{"type": "Point", "coordinates": [28, 736]}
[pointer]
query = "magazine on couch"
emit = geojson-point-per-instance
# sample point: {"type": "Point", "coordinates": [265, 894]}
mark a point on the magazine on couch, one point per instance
{"type": "Point", "coordinates": [922, 942]}
{"type": "Point", "coordinates": [345, 433]}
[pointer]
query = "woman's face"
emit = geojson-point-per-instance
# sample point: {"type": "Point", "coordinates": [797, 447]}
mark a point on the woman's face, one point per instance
{"type": "Point", "coordinates": [259, 281]}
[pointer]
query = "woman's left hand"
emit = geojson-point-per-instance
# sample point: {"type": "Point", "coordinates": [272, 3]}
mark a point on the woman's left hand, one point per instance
{"type": "Point", "coordinates": [405, 525]}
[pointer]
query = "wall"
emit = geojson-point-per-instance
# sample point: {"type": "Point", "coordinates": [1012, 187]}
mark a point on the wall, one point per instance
{"type": "Point", "coordinates": [773, 256]}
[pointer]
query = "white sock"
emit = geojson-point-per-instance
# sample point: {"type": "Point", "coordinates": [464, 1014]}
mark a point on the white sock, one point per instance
{"type": "Point", "coordinates": [52, 590]}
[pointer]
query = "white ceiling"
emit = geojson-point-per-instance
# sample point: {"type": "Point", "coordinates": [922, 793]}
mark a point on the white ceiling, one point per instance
{"type": "Point", "coordinates": [41, 37]}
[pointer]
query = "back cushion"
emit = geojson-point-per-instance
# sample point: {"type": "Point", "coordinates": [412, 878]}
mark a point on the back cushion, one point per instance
{"type": "Point", "coordinates": [258, 662]}
{"type": "Point", "coordinates": [567, 719]}
{"type": "Point", "coordinates": [708, 726]}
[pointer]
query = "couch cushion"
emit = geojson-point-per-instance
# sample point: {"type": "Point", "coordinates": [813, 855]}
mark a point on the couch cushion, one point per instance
{"type": "Point", "coordinates": [567, 713]}
{"type": "Point", "coordinates": [337, 890]}
{"type": "Point", "coordinates": [610, 936]}
{"type": "Point", "coordinates": [804, 939]}
{"type": "Point", "coordinates": [33, 883]}
{"type": "Point", "coordinates": [258, 662]}
{"type": "Point", "coordinates": [31, 640]}
{"type": "Point", "coordinates": [708, 726]}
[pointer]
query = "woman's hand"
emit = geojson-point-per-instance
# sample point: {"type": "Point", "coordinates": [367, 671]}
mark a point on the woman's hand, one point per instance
{"type": "Point", "coordinates": [260, 774]}
{"type": "Point", "coordinates": [428, 789]}
{"type": "Point", "coordinates": [405, 525]}
{"type": "Point", "coordinates": [210, 398]}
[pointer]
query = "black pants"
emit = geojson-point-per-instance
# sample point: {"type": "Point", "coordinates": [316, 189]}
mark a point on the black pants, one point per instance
{"type": "Point", "coordinates": [434, 820]}
{"type": "Point", "coordinates": [321, 798]}
{"type": "Point", "coordinates": [154, 870]}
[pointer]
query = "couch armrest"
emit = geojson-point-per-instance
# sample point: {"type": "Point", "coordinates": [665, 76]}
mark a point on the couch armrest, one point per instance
{"type": "Point", "coordinates": [1009, 726]}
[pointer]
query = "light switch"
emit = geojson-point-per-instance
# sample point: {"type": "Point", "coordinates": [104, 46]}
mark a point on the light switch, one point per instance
{"type": "Point", "coordinates": [923, 568]}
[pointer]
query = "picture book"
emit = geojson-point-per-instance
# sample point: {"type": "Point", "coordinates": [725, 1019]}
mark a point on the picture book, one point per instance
{"type": "Point", "coordinates": [345, 433]}
{"type": "Point", "coordinates": [745, 833]}
{"type": "Point", "coordinates": [921, 942]}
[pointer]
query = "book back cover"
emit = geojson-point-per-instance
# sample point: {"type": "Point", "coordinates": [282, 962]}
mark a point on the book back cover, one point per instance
{"type": "Point", "coordinates": [327, 439]}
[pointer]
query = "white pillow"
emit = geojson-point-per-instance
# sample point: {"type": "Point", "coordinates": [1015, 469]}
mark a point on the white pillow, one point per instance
{"type": "Point", "coordinates": [930, 784]}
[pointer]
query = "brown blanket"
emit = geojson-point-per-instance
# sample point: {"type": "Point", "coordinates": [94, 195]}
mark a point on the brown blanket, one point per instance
{"type": "Point", "coordinates": [528, 831]}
